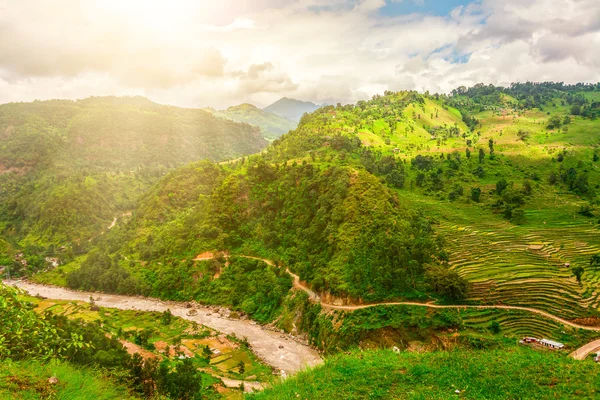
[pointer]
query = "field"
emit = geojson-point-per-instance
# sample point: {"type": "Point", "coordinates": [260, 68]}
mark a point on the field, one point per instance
{"type": "Point", "coordinates": [29, 380]}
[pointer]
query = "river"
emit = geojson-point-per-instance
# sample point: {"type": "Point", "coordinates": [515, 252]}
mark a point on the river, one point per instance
{"type": "Point", "coordinates": [276, 349]}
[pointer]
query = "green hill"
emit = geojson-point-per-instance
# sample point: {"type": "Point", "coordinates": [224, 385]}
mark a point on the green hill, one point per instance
{"type": "Point", "coordinates": [405, 196]}
{"type": "Point", "coordinates": [69, 167]}
{"type": "Point", "coordinates": [513, 373]}
{"type": "Point", "coordinates": [271, 125]}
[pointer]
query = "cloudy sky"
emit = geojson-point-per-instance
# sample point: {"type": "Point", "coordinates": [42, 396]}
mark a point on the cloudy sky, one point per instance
{"type": "Point", "coordinates": [220, 53]}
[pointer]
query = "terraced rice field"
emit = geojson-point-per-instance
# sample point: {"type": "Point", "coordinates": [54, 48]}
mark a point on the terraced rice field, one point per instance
{"type": "Point", "coordinates": [517, 323]}
{"type": "Point", "coordinates": [527, 266]}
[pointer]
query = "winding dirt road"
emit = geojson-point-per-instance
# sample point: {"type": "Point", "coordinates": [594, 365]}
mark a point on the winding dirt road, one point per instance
{"type": "Point", "coordinates": [315, 297]}
{"type": "Point", "coordinates": [278, 350]}
{"type": "Point", "coordinates": [579, 354]}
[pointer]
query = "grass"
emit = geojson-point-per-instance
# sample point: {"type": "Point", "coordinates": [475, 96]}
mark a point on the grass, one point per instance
{"type": "Point", "coordinates": [28, 380]}
{"type": "Point", "coordinates": [515, 373]}
{"type": "Point", "coordinates": [57, 276]}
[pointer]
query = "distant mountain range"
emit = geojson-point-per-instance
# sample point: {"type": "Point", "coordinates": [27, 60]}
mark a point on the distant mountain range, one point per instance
{"type": "Point", "coordinates": [271, 125]}
{"type": "Point", "coordinates": [291, 109]}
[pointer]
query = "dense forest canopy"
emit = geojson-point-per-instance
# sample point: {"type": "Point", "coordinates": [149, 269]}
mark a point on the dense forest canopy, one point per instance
{"type": "Point", "coordinates": [67, 168]}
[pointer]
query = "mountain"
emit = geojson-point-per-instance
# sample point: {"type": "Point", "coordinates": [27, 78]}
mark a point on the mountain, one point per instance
{"type": "Point", "coordinates": [271, 126]}
{"type": "Point", "coordinates": [389, 223]}
{"type": "Point", "coordinates": [69, 167]}
{"type": "Point", "coordinates": [290, 108]}
{"type": "Point", "coordinates": [378, 201]}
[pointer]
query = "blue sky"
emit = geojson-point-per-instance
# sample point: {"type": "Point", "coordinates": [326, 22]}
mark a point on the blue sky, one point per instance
{"type": "Point", "coordinates": [432, 7]}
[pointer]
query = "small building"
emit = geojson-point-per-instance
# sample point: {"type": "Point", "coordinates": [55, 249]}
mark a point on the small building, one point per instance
{"type": "Point", "coordinates": [551, 344]}
{"type": "Point", "coordinates": [529, 340]}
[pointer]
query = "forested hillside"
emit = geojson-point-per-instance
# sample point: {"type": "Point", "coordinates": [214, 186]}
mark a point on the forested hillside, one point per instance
{"type": "Point", "coordinates": [398, 197]}
{"type": "Point", "coordinates": [68, 168]}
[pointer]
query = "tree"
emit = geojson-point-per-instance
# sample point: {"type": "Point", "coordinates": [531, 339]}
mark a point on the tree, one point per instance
{"type": "Point", "coordinates": [595, 260]}
{"type": "Point", "coordinates": [475, 194]}
{"type": "Point", "coordinates": [494, 327]}
{"type": "Point", "coordinates": [523, 135]}
{"type": "Point", "coordinates": [468, 153]}
{"type": "Point", "coordinates": [491, 146]}
{"type": "Point", "coordinates": [578, 272]}
{"type": "Point", "coordinates": [527, 189]}
{"type": "Point", "coordinates": [241, 367]}
{"type": "Point", "coordinates": [554, 122]}
{"type": "Point", "coordinates": [501, 185]}
{"type": "Point", "coordinates": [166, 318]}
{"type": "Point", "coordinates": [446, 283]}
{"type": "Point", "coordinates": [481, 155]}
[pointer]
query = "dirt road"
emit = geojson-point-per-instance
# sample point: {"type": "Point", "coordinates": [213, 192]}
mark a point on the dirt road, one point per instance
{"type": "Point", "coordinates": [582, 352]}
{"type": "Point", "coordinates": [278, 350]}
{"type": "Point", "coordinates": [315, 297]}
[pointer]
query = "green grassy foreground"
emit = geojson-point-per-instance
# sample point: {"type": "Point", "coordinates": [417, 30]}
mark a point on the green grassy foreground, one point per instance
{"type": "Point", "coordinates": [516, 373]}
{"type": "Point", "coordinates": [29, 380]}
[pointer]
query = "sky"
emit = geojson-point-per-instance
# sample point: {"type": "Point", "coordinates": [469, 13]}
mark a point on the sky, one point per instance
{"type": "Point", "coordinates": [198, 53]}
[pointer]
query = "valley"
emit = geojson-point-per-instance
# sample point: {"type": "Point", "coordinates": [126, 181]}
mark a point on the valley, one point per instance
{"type": "Point", "coordinates": [279, 351]}
{"type": "Point", "coordinates": [415, 223]}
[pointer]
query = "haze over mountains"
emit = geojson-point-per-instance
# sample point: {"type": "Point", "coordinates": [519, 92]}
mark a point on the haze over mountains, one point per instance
{"type": "Point", "coordinates": [291, 109]}
{"type": "Point", "coordinates": [68, 167]}
{"type": "Point", "coordinates": [273, 120]}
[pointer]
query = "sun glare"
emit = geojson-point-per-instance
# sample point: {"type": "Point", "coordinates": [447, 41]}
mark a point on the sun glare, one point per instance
{"type": "Point", "coordinates": [160, 16]}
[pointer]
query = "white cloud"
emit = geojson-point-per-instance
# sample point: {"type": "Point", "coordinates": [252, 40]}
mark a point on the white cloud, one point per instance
{"type": "Point", "coordinates": [206, 53]}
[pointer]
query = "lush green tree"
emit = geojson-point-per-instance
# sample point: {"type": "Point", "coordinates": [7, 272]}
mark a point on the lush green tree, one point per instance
{"type": "Point", "coordinates": [554, 122]}
{"type": "Point", "coordinates": [523, 135]}
{"type": "Point", "coordinates": [501, 185]}
{"type": "Point", "coordinates": [446, 282]}
{"type": "Point", "coordinates": [475, 194]}
{"type": "Point", "coordinates": [578, 272]}
{"type": "Point", "coordinates": [494, 327]}
{"type": "Point", "coordinates": [595, 260]}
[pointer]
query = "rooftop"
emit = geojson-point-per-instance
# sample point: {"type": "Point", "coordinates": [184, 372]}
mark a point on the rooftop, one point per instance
{"type": "Point", "coordinates": [552, 343]}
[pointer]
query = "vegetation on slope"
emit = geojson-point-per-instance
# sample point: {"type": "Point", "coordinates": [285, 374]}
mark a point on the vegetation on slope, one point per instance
{"type": "Point", "coordinates": [30, 337]}
{"type": "Point", "coordinates": [32, 380]}
{"type": "Point", "coordinates": [506, 177]}
{"type": "Point", "coordinates": [69, 167]}
{"type": "Point", "coordinates": [494, 374]}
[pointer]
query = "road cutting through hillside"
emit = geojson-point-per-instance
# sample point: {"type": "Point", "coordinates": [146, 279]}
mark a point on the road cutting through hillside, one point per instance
{"type": "Point", "coordinates": [316, 298]}
{"type": "Point", "coordinates": [579, 354]}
